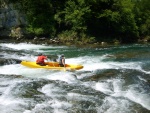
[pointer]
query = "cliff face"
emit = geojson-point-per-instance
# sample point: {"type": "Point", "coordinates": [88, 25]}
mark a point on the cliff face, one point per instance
{"type": "Point", "coordinates": [11, 20]}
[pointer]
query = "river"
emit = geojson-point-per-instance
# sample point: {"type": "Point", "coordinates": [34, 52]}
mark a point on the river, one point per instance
{"type": "Point", "coordinates": [114, 80]}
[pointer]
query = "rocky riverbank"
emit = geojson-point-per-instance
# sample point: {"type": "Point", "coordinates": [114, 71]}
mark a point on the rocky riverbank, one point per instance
{"type": "Point", "coordinates": [57, 41]}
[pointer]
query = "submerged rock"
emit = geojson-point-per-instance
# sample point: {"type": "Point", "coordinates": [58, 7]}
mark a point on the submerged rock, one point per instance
{"type": "Point", "coordinates": [9, 61]}
{"type": "Point", "coordinates": [11, 76]}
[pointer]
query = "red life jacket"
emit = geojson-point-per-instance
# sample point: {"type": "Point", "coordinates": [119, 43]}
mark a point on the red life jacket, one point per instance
{"type": "Point", "coordinates": [41, 59]}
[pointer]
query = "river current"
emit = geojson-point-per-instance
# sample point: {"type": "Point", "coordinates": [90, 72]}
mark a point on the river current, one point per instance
{"type": "Point", "coordinates": [114, 80]}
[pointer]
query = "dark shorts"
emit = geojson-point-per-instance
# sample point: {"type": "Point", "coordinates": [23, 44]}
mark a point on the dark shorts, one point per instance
{"type": "Point", "coordinates": [61, 65]}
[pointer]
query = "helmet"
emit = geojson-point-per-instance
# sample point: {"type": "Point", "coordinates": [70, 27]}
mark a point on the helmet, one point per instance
{"type": "Point", "coordinates": [62, 55]}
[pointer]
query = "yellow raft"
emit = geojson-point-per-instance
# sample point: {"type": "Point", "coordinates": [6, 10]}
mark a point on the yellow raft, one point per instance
{"type": "Point", "coordinates": [52, 65]}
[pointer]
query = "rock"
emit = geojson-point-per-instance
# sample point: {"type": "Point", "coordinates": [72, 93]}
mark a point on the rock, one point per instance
{"type": "Point", "coordinates": [9, 61]}
{"type": "Point", "coordinates": [11, 19]}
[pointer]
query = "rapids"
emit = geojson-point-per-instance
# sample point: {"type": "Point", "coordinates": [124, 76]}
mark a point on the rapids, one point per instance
{"type": "Point", "coordinates": [114, 80]}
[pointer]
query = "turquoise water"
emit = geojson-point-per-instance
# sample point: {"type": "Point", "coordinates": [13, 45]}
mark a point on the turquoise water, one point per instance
{"type": "Point", "coordinates": [114, 80]}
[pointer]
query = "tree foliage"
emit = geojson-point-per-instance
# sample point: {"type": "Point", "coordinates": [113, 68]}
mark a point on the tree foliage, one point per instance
{"type": "Point", "coordinates": [124, 20]}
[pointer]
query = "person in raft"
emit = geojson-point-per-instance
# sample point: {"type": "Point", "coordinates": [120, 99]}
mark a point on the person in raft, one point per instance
{"type": "Point", "coordinates": [40, 59]}
{"type": "Point", "coordinates": [62, 61]}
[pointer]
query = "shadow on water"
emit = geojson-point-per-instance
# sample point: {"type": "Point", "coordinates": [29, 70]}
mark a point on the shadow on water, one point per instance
{"type": "Point", "coordinates": [130, 76]}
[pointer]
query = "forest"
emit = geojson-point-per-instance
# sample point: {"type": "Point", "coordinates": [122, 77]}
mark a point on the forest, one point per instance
{"type": "Point", "coordinates": [102, 20]}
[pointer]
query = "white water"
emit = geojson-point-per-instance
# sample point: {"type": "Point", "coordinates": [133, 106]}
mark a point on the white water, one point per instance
{"type": "Point", "coordinates": [114, 87]}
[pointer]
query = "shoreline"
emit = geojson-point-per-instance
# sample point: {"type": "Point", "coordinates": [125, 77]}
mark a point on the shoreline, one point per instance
{"type": "Point", "coordinates": [55, 42]}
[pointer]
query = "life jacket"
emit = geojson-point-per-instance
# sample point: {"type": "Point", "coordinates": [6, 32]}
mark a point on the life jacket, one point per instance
{"type": "Point", "coordinates": [60, 60]}
{"type": "Point", "coordinates": [41, 59]}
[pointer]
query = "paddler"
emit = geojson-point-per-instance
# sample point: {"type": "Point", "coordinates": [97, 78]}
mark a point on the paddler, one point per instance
{"type": "Point", "coordinates": [40, 60]}
{"type": "Point", "coordinates": [62, 61]}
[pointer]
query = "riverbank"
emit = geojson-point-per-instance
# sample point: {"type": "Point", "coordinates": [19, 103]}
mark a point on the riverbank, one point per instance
{"type": "Point", "coordinates": [58, 42]}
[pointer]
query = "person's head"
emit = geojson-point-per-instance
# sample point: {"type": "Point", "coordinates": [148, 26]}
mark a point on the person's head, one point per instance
{"type": "Point", "coordinates": [40, 54]}
{"type": "Point", "coordinates": [62, 55]}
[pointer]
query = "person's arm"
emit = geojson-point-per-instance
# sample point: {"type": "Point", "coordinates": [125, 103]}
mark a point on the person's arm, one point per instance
{"type": "Point", "coordinates": [45, 57]}
{"type": "Point", "coordinates": [63, 61]}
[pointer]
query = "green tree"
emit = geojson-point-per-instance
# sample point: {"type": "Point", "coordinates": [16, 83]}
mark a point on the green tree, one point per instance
{"type": "Point", "coordinates": [124, 20]}
{"type": "Point", "coordinates": [113, 19]}
{"type": "Point", "coordinates": [40, 15]}
{"type": "Point", "coordinates": [128, 28]}
{"type": "Point", "coordinates": [142, 12]}
{"type": "Point", "coordinates": [73, 16]}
